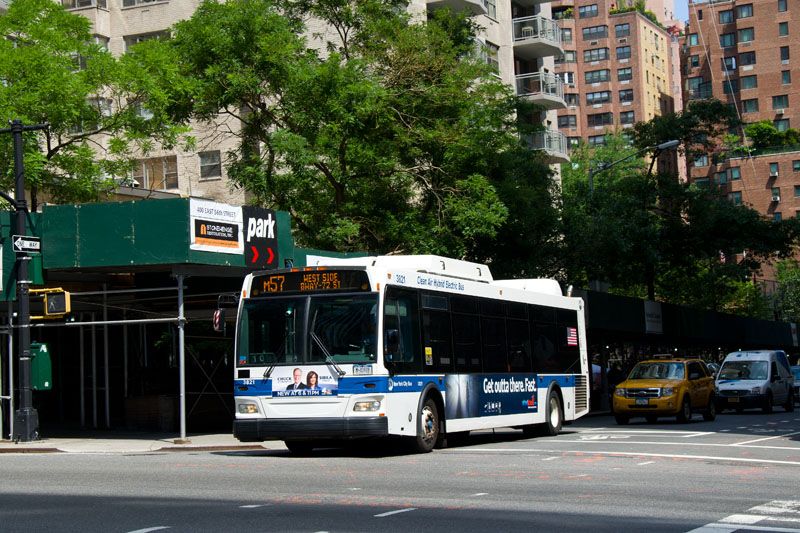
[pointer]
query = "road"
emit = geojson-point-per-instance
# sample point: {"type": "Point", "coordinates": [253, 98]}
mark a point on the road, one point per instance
{"type": "Point", "coordinates": [739, 473]}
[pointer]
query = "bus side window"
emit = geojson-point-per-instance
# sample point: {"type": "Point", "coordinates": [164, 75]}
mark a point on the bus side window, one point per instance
{"type": "Point", "coordinates": [493, 335]}
{"type": "Point", "coordinates": [467, 342]}
{"type": "Point", "coordinates": [401, 346]}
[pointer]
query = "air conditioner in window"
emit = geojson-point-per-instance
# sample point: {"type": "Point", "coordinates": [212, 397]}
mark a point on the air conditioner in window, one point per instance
{"type": "Point", "coordinates": [780, 111]}
{"type": "Point", "coordinates": [773, 174]}
{"type": "Point", "coordinates": [776, 197]}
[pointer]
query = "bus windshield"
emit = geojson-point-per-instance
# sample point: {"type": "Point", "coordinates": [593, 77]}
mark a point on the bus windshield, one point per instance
{"type": "Point", "coordinates": [308, 329]}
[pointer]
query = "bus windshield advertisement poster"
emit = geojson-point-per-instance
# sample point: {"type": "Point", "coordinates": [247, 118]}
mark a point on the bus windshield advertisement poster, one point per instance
{"type": "Point", "coordinates": [304, 381]}
{"type": "Point", "coordinates": [470, 396]}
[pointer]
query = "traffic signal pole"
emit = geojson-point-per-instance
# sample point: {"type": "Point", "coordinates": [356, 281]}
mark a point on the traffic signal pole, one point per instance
{"type": "Point", "coordinates": [26, 419]}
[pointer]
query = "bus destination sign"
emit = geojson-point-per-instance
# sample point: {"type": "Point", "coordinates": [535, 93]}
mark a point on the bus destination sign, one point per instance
{"type": "Point", "coordinates": [310, 281]}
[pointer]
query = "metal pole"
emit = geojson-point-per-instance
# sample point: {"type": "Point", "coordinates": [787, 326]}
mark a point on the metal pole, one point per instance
{"type": "Point", "coordinates": [125, 356]}
{"type": "Point", "coordinates": [83, 375]}
{"type": "Point", "coordinates": [105, 358]}
{"type": "Point", "coordinates": [94, 375]}
{"type": "Point", "coordinates": [182, 361]}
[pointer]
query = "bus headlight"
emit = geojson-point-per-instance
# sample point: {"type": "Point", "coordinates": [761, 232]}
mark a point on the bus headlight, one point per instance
{"type": "Point", "coordinates": [370, 405]}
{"type": "Point", "coordinates": [247, 408]}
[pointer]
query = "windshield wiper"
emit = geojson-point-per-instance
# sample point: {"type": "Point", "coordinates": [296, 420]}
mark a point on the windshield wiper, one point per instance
{"type": "Point", "coordinates": [268, 371]}
{"type": "Point", "coordinates": [328, 357]}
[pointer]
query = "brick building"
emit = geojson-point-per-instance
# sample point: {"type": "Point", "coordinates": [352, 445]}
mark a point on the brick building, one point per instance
{"type": "Point", "coordinates": [740, 52]}
{"type": "Point", "coordinates": [617, 67]}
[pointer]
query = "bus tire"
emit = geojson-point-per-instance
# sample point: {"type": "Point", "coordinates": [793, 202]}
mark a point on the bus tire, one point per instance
{"type": "Point", "coordinates": [554, 415]}
{"type": "Point", "coordinates": [427, 427]}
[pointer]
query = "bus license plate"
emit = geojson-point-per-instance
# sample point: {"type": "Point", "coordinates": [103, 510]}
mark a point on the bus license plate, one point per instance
{"type": "Point", "coordinates": [642, 401]}
{"type": "Point", "coordinates": [362, 370]}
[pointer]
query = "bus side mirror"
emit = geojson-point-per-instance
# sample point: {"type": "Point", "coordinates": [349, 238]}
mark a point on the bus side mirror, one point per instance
{"type": "Point", "coordinates": [219, 321]}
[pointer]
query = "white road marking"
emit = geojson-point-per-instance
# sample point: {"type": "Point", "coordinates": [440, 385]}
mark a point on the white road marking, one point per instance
{"type": "Point", "coordinates": [634, 454]}
{"type": "Point", "coordinates": [354, 488]}
{"type": "Point", "coordinates": [480, 494]}
{"type": "Point", "coordinates": [779, 507]}
{"type": "Point", "coordinates": [554, 457]}
{"type": "Point", "coordinates": [389, 513]}
{"type": "Point", "coordinates": [685, 444]}
{"type": "Point", "coordinates": [651, 432]}
{"type": "Point", "coordinates": [765, 438]}
{"type": "Point", "coordinates": [743, 519]}
{"type": "Point", "coordinates": [645, 463]}
{"type": "Point", "coordinates": [775, 510]}
{"type": "Point", "coordinates": [728, 528]}
{"type": "Point", "coordinates": [252, 506]}
{"type": "Point", "coordinates": [148, 529]}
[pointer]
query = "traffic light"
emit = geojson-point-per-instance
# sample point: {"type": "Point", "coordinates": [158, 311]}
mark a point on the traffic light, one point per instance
{"type": "Point", "coordinates": [56, 303]}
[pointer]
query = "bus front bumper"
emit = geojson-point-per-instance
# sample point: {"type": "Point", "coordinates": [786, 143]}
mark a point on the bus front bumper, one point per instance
{"type": "Point", "coordinates": [260, 429]}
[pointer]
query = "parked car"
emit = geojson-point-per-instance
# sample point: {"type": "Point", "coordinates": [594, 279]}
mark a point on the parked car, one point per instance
{"type": "Point", "coordinates": [713, 368]}
{"type": "Point", "coordinates": [796, 373]}
{"type": "Point", "coordinates": [759, 378]}
{"type": "Point", "coordinates": [666, 386]}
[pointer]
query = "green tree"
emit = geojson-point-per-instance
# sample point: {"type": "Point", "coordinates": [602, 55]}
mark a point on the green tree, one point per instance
{"type": "Point", "coordinates": [788, 293]}
{"type": "Point", "coordinates": [383, 134]}
{"type": "Point", "coordinates": [763, 134]}
{"type": "Point", "coordinates": [53, 72]}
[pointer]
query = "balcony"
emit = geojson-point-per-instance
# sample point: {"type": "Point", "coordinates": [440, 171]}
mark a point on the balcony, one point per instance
{"type": "Point", "coordinates": [536, 37]}
{"type": "Point", "coordinates": [542, 88]}
{"type": "Point", "coordinates": [78, 4]}
{"type": "Point", "coordinates": [701, 92]}
{"type": "Point", "coordinates": [553, 143]}
{"type": "Point", "coordinates": [476, 7]}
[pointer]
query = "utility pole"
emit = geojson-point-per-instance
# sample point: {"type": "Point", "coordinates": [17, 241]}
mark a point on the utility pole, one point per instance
{"type": "Point", "coordinates": [26, 419]}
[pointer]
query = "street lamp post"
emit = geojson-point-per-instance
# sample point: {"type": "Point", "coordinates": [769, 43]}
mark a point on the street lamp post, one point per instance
{"type": "Point", "coordinates": [26, 418]}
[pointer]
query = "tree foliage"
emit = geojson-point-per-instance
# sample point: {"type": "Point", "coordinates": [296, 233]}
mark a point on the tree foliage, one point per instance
{"type": "Point", "coordinates": [53, 72]}
{"type": "Point", "coordinates": [379, 133]}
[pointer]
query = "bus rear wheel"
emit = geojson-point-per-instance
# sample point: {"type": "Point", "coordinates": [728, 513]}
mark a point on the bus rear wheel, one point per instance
{"type": "Point", "coordinates": [427, 427]}
{"type": "Point", "coordinates": [554, 416]}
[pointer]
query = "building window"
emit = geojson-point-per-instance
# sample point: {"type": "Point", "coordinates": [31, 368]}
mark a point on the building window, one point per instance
{"type": "Point", "coordinates": [566, 35]}
{"type": "Point", "coordinates": [742, 12]}
{"type": "Point", "coordinates": [782, 6]}
{"type": "Point", "coordinates": [491, 54]}
{"type": "Point", "coordinates": [597, 140]}
{"type": "Point", "coordinates": [786, 77]}
{"type": "Point", "coordinates": [74, 4]}
{"type": "Point", "coordinates": [729, 63]}
{"type": "Point", "coordinates": [693, 61]}
{"type": "Point", "coordinates": [783, 29]}
{"type": "Point", "coordinates": [727, 39]}
{"type": "Point", "coordinates": [622, 30]}
{"type": "Point", "coordinates": [776, 194]}
{"type": "Point", "coordinates": [574, 142]}
{"type": "Point", "coordinates": [210, 164]}
{"type": "Point", "coordinates": [599, 97]}
{"type": "Point", "coordinates": [571, 99]}
{"type": "Point", "coordinates": [726, 17]}
{"type": "Point", "coordinates": [586, 12]}
{"type": "Point", "coordinates": [567, 77]}
{"type": "Point", "coordinates": [491, 8]}
{"type": "Point", "coordinates": [157, 173]}
{"type": "Point", "coordinates": [721, 177]}
{"type": "Point", "coordinates": [693, 41]}
{"type": "Point", "coordinates": [595, 32]}
{"type": "Point", "coordinates": [735, 197]}
{"type": "Point", "coordinates": [750, 105]}
{"type": "Point", "coordinates": [797, 191]}
{"type": "Point", "coordinates": [627, 117]}
{"type": "Point", "coordinates": [569, 56]}
{"type": "Point", "coordinates": [567, 121]}
{"type": "Point", "coordinates": [748, 82]}
{"type": "Point", "coordinates": [624, 74]}
{"type": "Point", "coordinates": [796, 165]}
{"type": "Point", "coordinates": [131, 3]}
{"type": "Point", "coordinates": [781, 124]}
{"type": "Point", "coordinates": [597, 76]}
{"type": "Point", "coordinates": [730, 86]}
{"type": "Point", "coordinates": [701, 161]}
{"type": "Point", "coordinates": [601, 119]}
{"type": "Point", "coordinates": [746, 35]}
{"type": "Point", "coordinates": [777, 216]}
{"type": "Point", "coordinates": [735, 173]}
{"type": "Point", "coordinates": [747, 58]}
{"type": "Point", "coordinates": [623, 52]}
{"type": "Point", "coordinates": [780, 102]}
{"type": "Point", "coordinates": [784, 53]}
{"type": "Point", "coordinates": [90, 119]}
{"type": "Point", "coordinates": [595, 54]}
{"type": "Point", "coordinates": [773, 169]}
{"type": "Point", "coordinates": [626, 95]}
{"type": "Point", "coordinates": [131, 40]}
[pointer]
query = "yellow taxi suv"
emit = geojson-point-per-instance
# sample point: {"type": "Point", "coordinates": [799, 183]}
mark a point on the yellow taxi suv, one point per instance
{"type": "Point", "coordinates": [662, 387]}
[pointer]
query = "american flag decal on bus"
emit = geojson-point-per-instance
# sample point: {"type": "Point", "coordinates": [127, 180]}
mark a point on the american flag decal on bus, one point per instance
{"type": "Point", "coordinates": [572, 336]}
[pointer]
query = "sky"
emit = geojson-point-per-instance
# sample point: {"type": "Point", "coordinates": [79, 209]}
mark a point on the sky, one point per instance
{"type": "Point", "coordinates": [681, 10]}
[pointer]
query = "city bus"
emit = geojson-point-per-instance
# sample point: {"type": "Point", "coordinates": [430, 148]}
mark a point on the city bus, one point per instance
{"type": "Point", "coordinates": [422, 347]}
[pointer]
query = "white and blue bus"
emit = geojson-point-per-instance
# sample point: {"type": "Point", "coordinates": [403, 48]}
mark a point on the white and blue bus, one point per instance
{"type": "Point", "coordinates": [423, 347]}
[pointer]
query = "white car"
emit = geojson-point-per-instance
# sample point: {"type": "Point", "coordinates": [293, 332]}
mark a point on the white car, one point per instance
{"type": "Point", "coordinates": [758, 378]}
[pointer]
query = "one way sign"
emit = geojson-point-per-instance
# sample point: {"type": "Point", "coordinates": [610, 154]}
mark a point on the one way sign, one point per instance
{"type": "Point", "coordinates": [26, 243]}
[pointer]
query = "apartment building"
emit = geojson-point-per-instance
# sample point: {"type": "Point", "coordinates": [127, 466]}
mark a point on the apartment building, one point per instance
{"type": "Point", "coordinates": [520, 39]}
{"type": "Point", "coordinates": [617, 67]}
{"type": "Point", "coordinates": [742, 52]}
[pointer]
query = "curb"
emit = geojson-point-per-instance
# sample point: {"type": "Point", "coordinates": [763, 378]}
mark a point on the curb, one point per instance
{"type": "Point", "coordinates": [30, 450]}
{"type": "Point", "coordinates": [232, 448]}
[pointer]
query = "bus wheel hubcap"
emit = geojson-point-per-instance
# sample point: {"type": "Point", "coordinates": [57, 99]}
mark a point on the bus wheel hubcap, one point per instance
{"type": "Point", "coordinates": [428, 423]}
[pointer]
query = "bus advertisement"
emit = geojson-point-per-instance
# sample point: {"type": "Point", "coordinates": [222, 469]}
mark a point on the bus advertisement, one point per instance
{"type": "Point", "coordinates": [414, 346]}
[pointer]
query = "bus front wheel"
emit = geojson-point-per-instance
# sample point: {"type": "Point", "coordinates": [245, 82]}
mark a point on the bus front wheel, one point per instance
{"type": "Point", "coordinates": [427, 427]}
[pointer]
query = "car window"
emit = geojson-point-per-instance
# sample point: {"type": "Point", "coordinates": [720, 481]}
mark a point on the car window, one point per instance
{"type": "Point", "coordinates": [658, 371]}
{"type": "Point", "coordinates": [796, 372]}
{"type": "Point", "coordinates": [744, 370]}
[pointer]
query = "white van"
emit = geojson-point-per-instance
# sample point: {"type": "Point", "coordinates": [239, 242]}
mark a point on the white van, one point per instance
{"type": "Point", "coordinates": [758, 378]}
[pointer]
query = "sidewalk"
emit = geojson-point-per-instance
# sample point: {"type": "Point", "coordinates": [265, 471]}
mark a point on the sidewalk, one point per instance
{"type": "Point", "coordinates": [130, 442]}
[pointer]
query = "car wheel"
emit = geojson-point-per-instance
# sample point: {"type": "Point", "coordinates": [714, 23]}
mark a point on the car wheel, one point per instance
{"type": "Point", "coordinates": [789, 405]}
{"type": "Point", "coordinates": [767, 408]}
{"type": "Point", "coordinates": [651, 419]}
{"type": "Point", "coordinates": [427, 427]}
{"type": "Point", "coordinates": [622, 420]}
{"type": "Point", "coordinates": [686, 411]}
{"type": "Point", "coordinates": [710, 413]}
{"type": "Point", "coordinates": [553, 416]}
